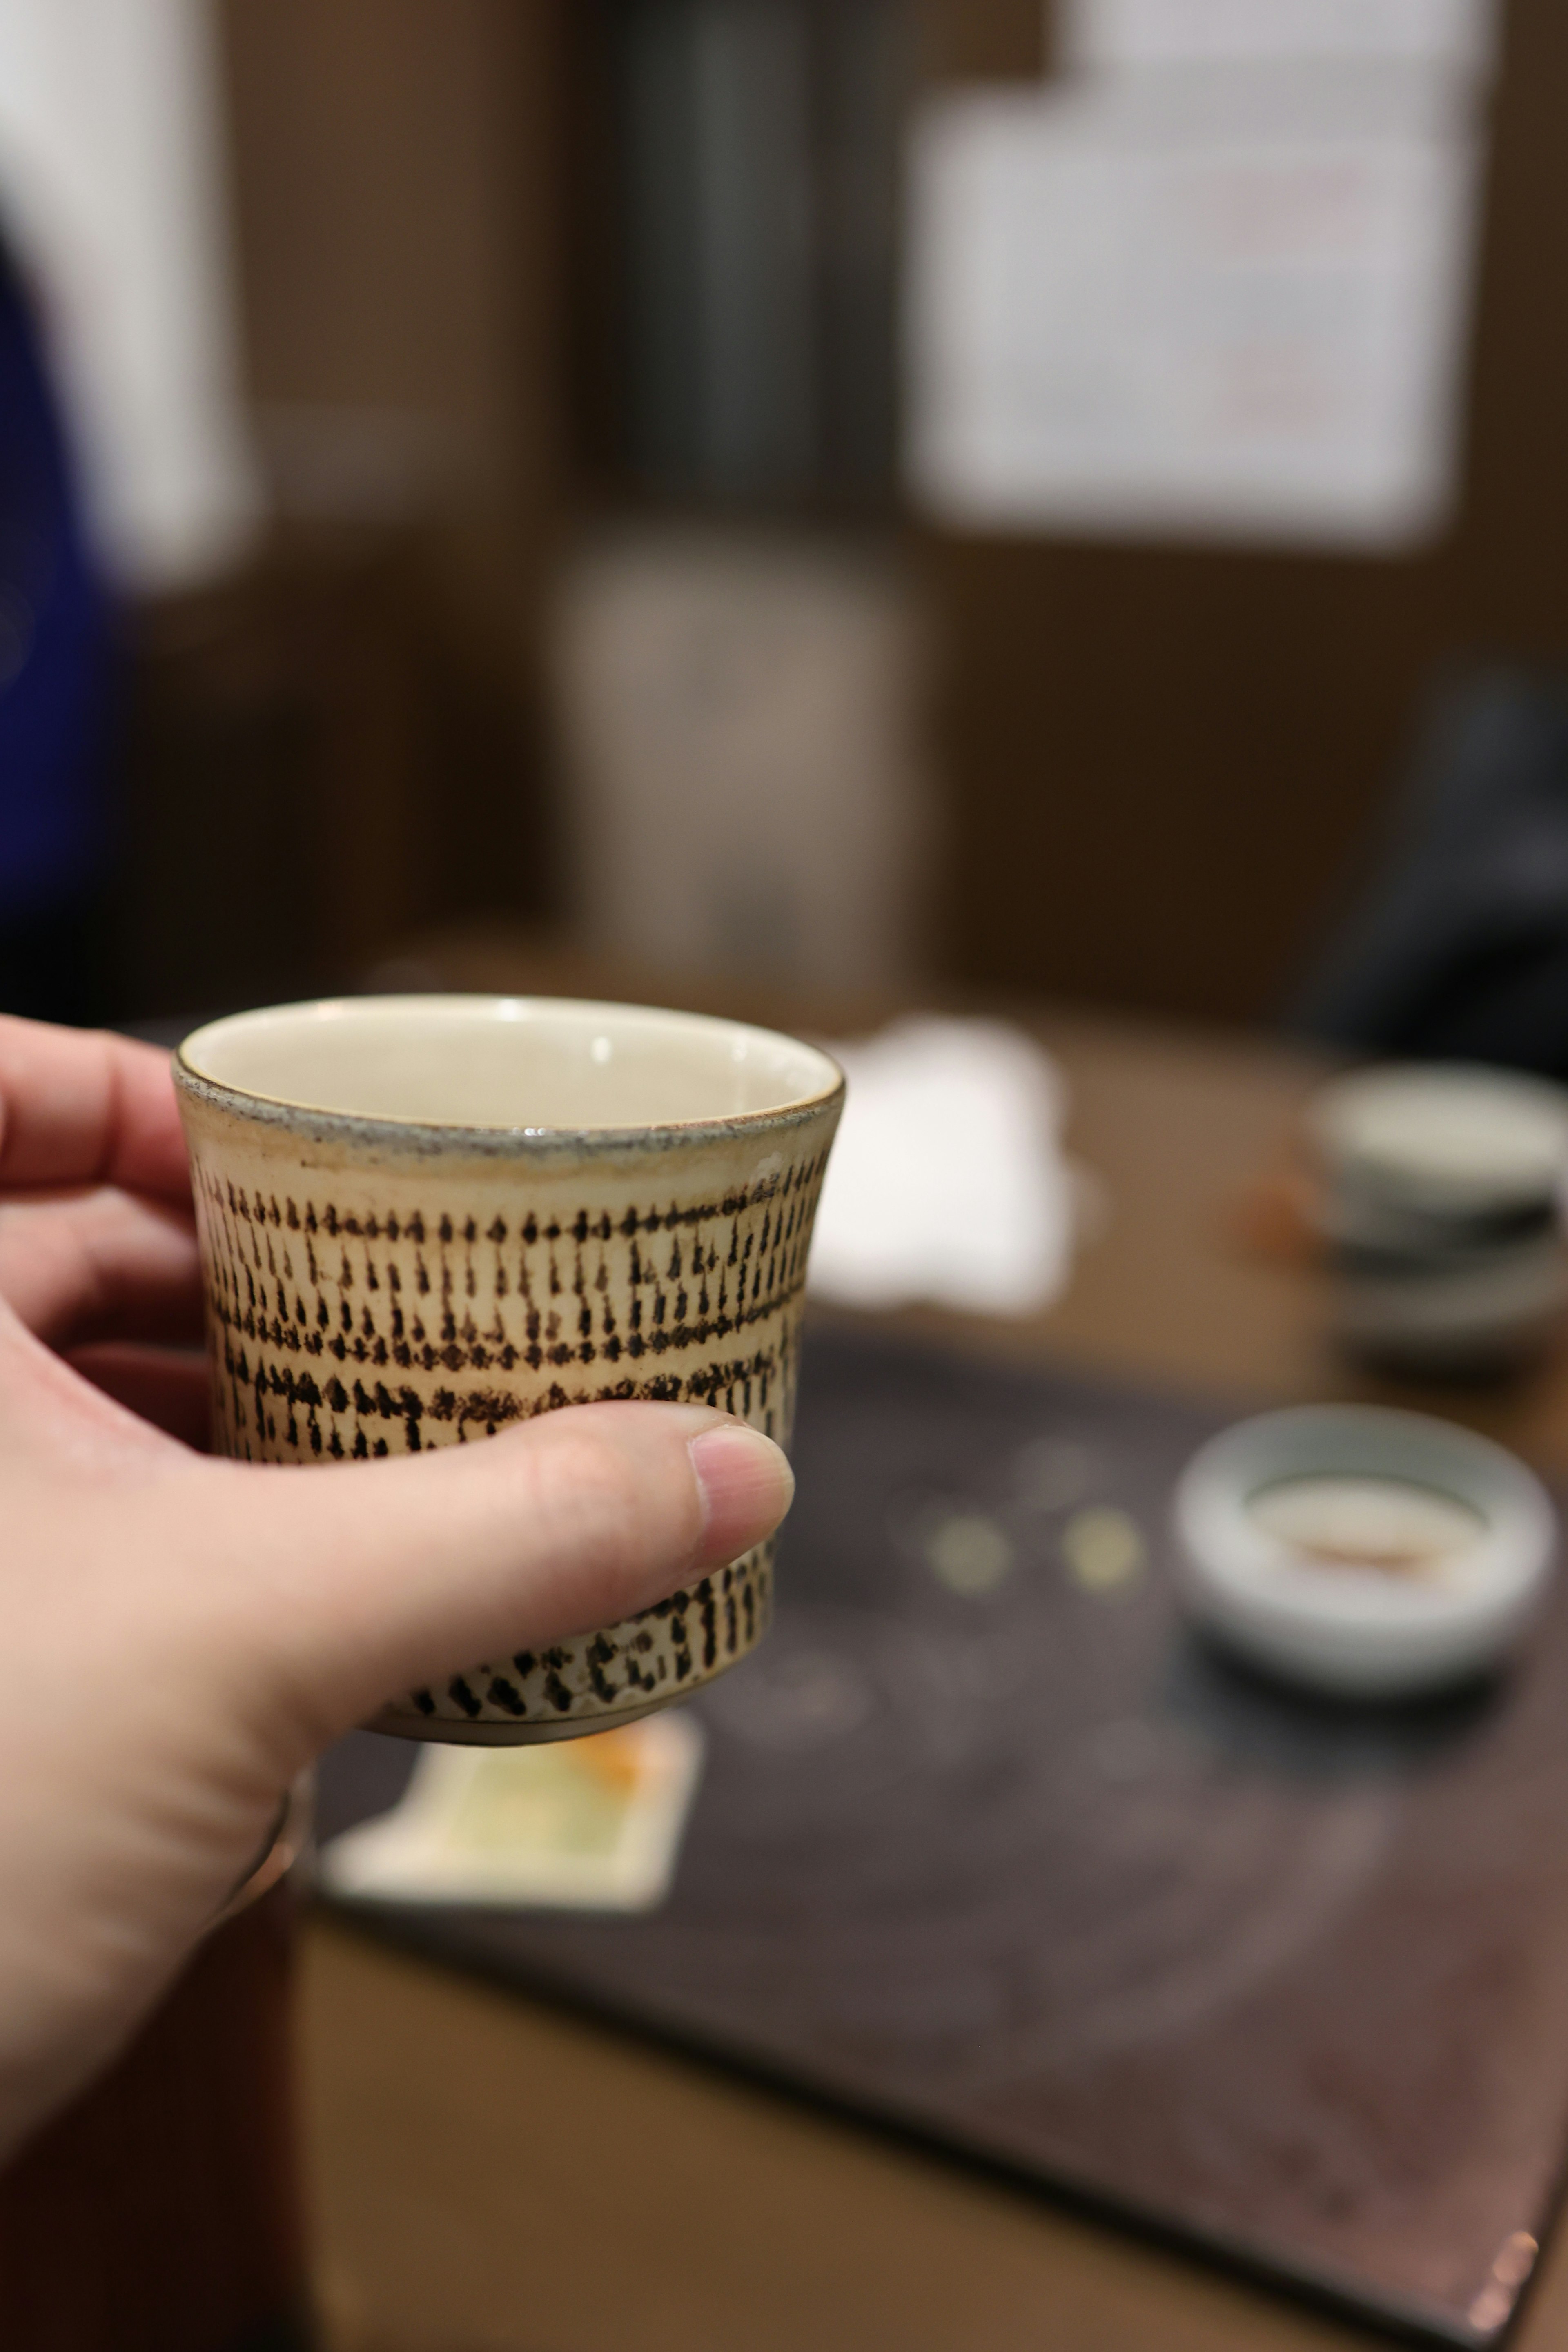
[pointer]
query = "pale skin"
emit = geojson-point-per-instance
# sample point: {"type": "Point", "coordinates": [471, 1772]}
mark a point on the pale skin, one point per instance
{"type": "Point", "coordinates": [183, 1634]}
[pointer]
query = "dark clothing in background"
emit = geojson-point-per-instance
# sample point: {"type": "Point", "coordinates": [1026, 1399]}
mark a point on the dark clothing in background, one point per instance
{"type": "Point", "coordinates": [56, 693]}
{"type": "Point", "coordinates": [1458, 949]}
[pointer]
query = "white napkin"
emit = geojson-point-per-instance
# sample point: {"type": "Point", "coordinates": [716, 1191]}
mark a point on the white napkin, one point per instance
{"type": "Point", "coordinates": [947, 1181]}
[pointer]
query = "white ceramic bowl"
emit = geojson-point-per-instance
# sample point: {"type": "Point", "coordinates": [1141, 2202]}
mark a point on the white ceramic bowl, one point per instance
{"type": "Point", "coordinates": [1362, 1631]}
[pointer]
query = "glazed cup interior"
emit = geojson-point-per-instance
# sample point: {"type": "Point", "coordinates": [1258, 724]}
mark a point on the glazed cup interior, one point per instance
{"type": "Point", "coordinates": [531, 1065]}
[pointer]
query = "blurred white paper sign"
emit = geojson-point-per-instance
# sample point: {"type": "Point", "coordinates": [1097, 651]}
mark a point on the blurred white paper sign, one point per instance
{"type": "Point", "coordinates": [1223, 303]}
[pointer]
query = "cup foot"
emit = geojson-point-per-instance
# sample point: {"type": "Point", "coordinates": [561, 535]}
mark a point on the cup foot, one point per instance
{"type": "Point", "coordinates": [451, 1733]}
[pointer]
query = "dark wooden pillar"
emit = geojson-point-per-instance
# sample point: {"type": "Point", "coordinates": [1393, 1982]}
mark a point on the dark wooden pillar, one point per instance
{"type": "Point", "coordinates": [161, 2213]}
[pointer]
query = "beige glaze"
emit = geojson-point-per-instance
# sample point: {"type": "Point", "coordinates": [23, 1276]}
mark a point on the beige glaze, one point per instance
{"type": "Point", "coordinates": [389, 1267]}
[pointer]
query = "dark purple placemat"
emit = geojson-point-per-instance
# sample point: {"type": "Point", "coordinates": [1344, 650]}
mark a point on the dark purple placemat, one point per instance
{"type": "Point", "coordinates": [999, 1852]}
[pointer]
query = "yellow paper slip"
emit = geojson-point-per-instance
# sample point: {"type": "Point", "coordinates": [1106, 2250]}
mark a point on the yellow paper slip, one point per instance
{"type": "Point", "coordinates": [591, 1824]}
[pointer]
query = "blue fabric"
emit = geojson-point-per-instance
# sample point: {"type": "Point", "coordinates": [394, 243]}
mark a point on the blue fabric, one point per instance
{"type": "Point", "coordinates": [56, 642]}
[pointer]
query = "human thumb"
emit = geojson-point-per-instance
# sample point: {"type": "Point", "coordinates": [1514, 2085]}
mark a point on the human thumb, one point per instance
{"type": "Point", "coordinates": [349, 1584]}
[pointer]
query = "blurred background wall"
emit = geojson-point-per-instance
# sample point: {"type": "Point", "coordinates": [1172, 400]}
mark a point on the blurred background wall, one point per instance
{"type": "Point", "coordinates": [534, 307]}
{"type": "Point", "coordinates": [1165, 760]}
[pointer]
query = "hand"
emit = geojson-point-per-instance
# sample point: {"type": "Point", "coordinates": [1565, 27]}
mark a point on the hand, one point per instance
{"type": "Point", "coordinates": [180, 1635]}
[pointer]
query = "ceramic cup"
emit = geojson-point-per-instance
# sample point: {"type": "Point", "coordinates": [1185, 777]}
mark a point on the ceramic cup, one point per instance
{"type": "Point", "coordinates": [424, 1218]}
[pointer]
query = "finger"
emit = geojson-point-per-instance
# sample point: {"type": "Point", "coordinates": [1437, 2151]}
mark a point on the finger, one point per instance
{"type": "Point", "coordinates": [100, 1264]}
{"type": "Point", "coordinates": [79, 1107]}
{"type": "Point", "coordinates": [169, 1387]}
{"type": "Point", "coordinates": [354, 1584]}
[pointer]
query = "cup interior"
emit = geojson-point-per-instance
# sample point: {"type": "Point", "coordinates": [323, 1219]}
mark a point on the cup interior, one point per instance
{"type": "Point", "coordinates": [525, 1065]}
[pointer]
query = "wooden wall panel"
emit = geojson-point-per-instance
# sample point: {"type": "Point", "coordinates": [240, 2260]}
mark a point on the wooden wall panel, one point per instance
{"type": "Point", "coordinates": [370, 686]}
{"type": "Point", "coordinates": [983, 40]}
{"type": "Point", "coordinates": [396, 189]}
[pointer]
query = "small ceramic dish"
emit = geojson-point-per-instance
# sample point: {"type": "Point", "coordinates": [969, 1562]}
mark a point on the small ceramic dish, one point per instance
{"type": "Point", "coordinates": [1364, 1552]}
{"type": "Point", "coordinates": [1444, 1141]}
{"type": "Point", "coordinates": [1441, 1207]}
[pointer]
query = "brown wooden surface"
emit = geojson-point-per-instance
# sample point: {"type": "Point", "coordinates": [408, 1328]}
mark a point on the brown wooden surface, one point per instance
{"type": "Point", "coordinates": [491, 2174]}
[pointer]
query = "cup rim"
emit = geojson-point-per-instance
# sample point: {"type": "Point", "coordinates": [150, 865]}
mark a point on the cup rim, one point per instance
{"type": "Point", "coordinates": [426, 1138]}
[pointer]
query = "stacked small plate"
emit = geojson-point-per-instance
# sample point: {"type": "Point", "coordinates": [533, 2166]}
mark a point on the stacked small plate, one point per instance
{"type": "Point", "coordinates": [1443, 1207]}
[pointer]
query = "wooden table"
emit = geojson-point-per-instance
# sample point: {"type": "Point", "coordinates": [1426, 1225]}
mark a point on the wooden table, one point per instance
{"type": "Point", "coordinates": [491, 2174]}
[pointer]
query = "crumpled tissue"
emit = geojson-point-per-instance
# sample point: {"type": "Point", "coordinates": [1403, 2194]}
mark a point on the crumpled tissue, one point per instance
{"type": "Point", "coordinates": [947, 1181]}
